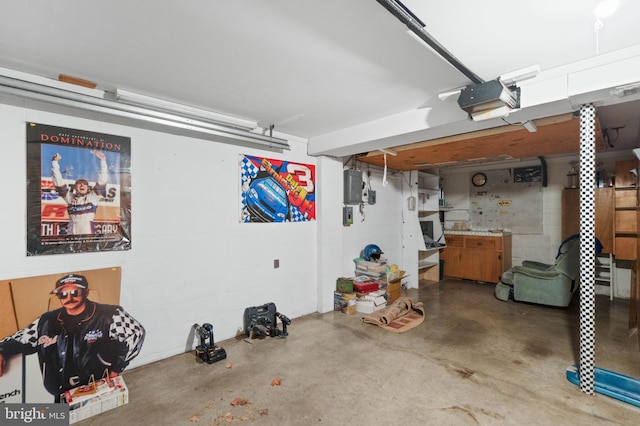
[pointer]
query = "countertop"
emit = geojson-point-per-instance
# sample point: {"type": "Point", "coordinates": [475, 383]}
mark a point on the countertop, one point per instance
{"type": "Point", "coordinates": [481, 232]}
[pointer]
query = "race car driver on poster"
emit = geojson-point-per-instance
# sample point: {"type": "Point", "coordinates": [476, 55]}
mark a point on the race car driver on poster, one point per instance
{"type": "Point", "coordinates": [276, 190]}
{"type": "Point", "coordinates": [78, 191]}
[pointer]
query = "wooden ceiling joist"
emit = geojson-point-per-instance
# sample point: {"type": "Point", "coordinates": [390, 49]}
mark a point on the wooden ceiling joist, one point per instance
{"type": "Point", "coordinates": [555, 136]}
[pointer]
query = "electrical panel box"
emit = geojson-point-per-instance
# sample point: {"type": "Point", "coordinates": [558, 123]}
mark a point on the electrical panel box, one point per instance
{"type": "Point", "coordinates": [347, 215]}
{"type": "Point", "coordinates": [352, 186]}
{"type": "Point", "coordinates": [371, 200]}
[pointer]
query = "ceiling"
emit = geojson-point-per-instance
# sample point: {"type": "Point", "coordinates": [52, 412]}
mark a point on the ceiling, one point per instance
{"type": "Point", "coordinates": [345, 75]}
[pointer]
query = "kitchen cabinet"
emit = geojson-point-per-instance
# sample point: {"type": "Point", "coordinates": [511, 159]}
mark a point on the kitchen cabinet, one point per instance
{"type": "Point", "coordinates": [477, 256]}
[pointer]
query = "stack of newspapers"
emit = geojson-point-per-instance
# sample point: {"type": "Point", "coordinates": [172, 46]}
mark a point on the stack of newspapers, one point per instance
{"type": "Point", "coordinates": [371, 269]}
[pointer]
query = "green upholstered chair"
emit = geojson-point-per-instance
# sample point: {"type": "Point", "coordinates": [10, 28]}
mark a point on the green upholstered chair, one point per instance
{"type": "Point", "coordinates": [541, 283]}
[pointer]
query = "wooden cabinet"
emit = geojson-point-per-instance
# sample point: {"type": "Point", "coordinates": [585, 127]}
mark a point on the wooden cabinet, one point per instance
{"type": "Point", "coordinates": [617, 214]}
{"type": "Point", "coordinates": [477, 257]}
{"type": "Point", "coordinates": [625, 178]}
{"type": "Point", "coordinates": [604, 215]}
{"type": "Point", "coordinates": [452, 256]}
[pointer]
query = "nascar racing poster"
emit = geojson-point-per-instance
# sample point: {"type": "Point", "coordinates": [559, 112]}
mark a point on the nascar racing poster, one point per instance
{"type": "Point", "coordinates": [78, 191]}
{"type": "Point", "coordinates": [276, 190]}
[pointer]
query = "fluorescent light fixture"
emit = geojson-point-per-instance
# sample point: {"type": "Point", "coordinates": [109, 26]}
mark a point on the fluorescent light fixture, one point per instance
{"type": "Point", "coordinates": [388, 151]}
{"type": "Point", "coordinates": [520, 75]}
{"type": "Point", "coordinates": [49, 91]}
{"type": "Point", "coordinates": [491, 99]}
{"type": "Point", "coordinates": [530, 126]}
{"type": "Point", "coordinates": [184, 110]}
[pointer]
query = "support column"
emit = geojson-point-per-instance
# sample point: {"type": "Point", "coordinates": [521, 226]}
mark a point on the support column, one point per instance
{"type": "Point", "coordinates": [587, 248]}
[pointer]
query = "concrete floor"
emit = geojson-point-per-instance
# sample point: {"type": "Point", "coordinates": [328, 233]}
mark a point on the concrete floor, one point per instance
{"type": "Point", "coordinates": [474, 361]}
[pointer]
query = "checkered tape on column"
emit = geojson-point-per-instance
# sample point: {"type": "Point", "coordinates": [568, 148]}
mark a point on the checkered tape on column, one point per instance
{"type": "Point", "coordinates": [587, 249]}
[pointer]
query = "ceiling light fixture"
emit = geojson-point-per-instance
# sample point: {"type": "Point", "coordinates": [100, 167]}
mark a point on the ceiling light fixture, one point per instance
{"type": "Point", "coordinates": [131, 98]}
{"type": "Point", "coordinates": [68, 95]}
{"type": "Point", "coordinates": [530, 126]}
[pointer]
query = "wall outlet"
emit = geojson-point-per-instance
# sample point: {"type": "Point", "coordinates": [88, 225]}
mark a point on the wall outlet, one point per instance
{"type": "Point", "coordinates": [411, 203]}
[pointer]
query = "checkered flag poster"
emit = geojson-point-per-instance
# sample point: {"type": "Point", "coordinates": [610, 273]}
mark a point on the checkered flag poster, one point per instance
{"type": "Point", "coordinates": [276, 190]}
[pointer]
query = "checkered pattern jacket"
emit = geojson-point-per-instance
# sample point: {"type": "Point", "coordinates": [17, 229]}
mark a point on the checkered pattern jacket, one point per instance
{"type": "Point", "coordinates": [73, 349]}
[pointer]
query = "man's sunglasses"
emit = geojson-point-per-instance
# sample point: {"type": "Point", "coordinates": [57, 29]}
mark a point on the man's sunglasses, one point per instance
{"type": "Point", "coordinates": [64, 294]}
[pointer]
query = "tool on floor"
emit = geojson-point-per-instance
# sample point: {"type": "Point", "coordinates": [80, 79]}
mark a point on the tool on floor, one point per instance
{"type": "Point", "coordinates": [207, 350]}
{"type": "Point", "coordinates": [263, 321]}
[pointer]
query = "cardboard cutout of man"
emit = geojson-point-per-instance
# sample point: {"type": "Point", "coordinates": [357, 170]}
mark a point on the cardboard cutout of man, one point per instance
{"type": "Point", "coordinates": [79, 341]}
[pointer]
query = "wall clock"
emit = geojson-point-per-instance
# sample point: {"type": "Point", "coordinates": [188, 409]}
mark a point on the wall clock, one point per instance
{"type": "Point", "coordinates": [479, 179]}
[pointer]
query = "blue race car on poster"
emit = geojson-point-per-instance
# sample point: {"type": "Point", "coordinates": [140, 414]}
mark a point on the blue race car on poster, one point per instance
{"type": "Point", "coordinates": [267, 201]}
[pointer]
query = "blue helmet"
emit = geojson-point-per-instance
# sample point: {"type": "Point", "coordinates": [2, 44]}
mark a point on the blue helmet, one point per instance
{"type": "Point", "coordinates": [372, 252]}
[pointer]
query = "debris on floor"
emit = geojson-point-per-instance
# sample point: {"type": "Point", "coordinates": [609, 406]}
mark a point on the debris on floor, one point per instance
{"type": "Point", "coordinates": [239, 401]}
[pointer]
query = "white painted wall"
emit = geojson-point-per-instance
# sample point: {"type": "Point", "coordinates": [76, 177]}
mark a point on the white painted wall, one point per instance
{"type": "Point", "coordinates": [379, 224]}
{"type": "Point", "coordinates": [329, 236]}
{"type": "Point", "coordinates": [191, 261]}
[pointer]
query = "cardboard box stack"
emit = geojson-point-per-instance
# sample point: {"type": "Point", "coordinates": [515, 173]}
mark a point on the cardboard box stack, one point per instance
{"type": "Point", "coordinates": [376, 270]}
{"type": "Point", "coordinates": [393, 290]}
{"type": "Point", "coordinates": [394, 284]}
{"type": "Point", "coordinates": [364, 284]}
{"type": "Point", "coordinates": [344, 285]}
{"type": "Point", "coordinates": [344, 298]}
{"type": "Point", "coordinates": [344, 302]}
{"type": "Point", "coordinates": [373, 288]}
{"type": "Point", "coordinates": [371, 302]}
